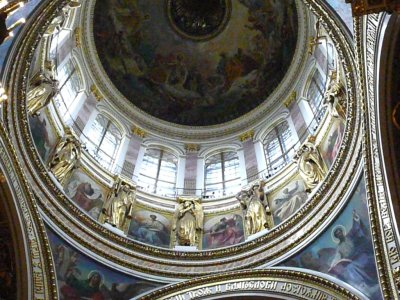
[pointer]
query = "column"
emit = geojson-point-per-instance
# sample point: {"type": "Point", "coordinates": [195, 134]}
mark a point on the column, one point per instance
{"type": "Point", "coordinates": [200, 175]}
{"type": "Point", "coordinates": [190, 179]}
{"type": "Point", "coordinates": [260, 156]}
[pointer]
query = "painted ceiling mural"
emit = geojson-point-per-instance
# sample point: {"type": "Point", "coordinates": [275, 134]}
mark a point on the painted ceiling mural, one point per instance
{"type": "Point", "coordinates": [80, 277]}
{"type": "Point", "coordinates": [194, 66]}
{"type": "Point", "coordinates": [345, 250]}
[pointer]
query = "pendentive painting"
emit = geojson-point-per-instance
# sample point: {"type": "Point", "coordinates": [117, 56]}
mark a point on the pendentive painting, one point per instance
{"type": "Point", "coordinates": [287, 200]}
{"type": "Point", "coordinates": [86, 193]}
{"type": "Point", "coordinates": [43, 134]}
{"type": "Point", "coordinates": [150, 227]}
{"type": "Point", "coordinates": [345, 249]}
{"type": "Point", "coordinates": [80, 277]}
{"type": "Point", "coordinates": [196, 62]}
{"type": "Point", "coordinates": [222, 231]}
{"type": "Point", "coordinates": [330, 146]}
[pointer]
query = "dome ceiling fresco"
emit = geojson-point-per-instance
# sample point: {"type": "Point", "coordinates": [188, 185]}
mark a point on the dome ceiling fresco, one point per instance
{"type": "Point", "coordinates": [193, 64]}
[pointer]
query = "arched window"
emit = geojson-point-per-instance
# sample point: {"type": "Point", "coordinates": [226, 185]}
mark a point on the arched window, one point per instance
{"type": "Point", "coordinates": [279, 147]}
{"type": "Point", "coordinates": [222, 175]}
{"type": "Point", "coordinates": [315, 95]}
{"type": "Point", "coordinates": [103, 140]}
{"type": "Point", "coordinates": [158, 172]}
{"type": "Point", "coordinates": [70, 90]}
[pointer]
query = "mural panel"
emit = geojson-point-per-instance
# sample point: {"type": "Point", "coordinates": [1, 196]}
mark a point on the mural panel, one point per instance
{"type": "Point", "coordinates": [80, 277]}
{"type": "Point", "coordinates": [287, 200]}
{"type": "Point", "coordinates": [330, 146]}
{"type": "Point", "coordinates": [43, 134]}
{"type": "Point", "coordinates": [345, 249]}
{"type": "Point", "coordinates": [183, 80]}
{"type": "Point", "coordinates": [150, 227]}
{"type": "Point", "coordinates": [86, 193]}
{"type": "Point", "coordinates": [223, 231]}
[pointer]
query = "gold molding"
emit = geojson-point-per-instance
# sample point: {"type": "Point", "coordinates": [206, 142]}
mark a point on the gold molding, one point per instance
{"type": "Point", "coordinates": [246, 136]}
{"type": "Point", "coordinates": [96, 92]}
{"type": "Point", "coordinates": [139, 132]}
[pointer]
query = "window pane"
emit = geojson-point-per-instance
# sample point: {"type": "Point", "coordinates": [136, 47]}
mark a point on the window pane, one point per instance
{"type": "Point", "coordinates": [158, 172]}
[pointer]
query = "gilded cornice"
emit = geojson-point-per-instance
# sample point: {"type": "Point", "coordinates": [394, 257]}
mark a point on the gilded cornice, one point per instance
{"type": "Point", "coordinates": [131, 255]}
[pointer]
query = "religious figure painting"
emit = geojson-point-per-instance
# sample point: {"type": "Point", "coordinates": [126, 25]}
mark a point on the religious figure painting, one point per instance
{"type": "Point", "coordinates": [345, 249]}
{"type": "Point", "coordinates": [176, 77]}
{"type": "Point", "coordinates": [43, 135]}
{"type": "Point", "coordinates": [223, 231]}
{"type": "Point", "coordinates": [86, 193]}
{"type": "Point", "coordinates": [80, 277]}
{"type": "Point", "coordinates": [150, 228]}
{"type": "Point", "coordinates": [330, 146]}
{"type": "Point", "coordinates": [286, 201]}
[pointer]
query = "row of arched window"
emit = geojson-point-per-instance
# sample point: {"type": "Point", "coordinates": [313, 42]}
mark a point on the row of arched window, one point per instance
{"type": "Point", "coordinates": [159, 167]}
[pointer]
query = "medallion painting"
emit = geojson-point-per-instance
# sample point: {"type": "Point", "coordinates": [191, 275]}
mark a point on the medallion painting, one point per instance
{"type": "Point", "coordinates": [345, 249]}
{"type": "Point", "coordinates": [286, 201]}
{"type": "Point", "coordinates": [223, 231]}
{"type": "Point", "coordinates": [150, 228]}
{"type": "Point", "coordinates": [80, 277]}
{"type": "Point", "coordinates": [190, 75]}
{"type": "Point", "coordinates": [43, 135]}
{"type": "Point", "coordinates": [86, 193]}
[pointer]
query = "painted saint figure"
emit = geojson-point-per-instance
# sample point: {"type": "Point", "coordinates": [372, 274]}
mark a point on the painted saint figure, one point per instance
{"type": "Point", "coordinates": [188, 221]}
{"type": "Point", "coordinates": [66, 156]}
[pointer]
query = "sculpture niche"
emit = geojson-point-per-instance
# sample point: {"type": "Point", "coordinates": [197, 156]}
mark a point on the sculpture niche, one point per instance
{"type": "Point", "coordinates": [118, 208]}
{"type": "Point", "coordinates": [188, 225]}
{"type": "Point", "coordinates": [65, 157]}
{"type": "Point", "coordinates": [256, 211]}
{"type": "Point", "coordinates": [310, 164]}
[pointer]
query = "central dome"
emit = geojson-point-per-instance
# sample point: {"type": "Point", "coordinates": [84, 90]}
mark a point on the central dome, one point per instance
{"type": "Point", "coordinates": [192, 62]}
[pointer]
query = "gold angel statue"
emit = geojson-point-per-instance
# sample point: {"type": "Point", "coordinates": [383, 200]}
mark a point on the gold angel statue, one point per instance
{"type": "Point", "coordinates": [255, 215]}
{"type": "Point", "coordinates": [334, 96]}
{"type": "Point", "coordinates": [41, 94]}
{"type": "Point", "coordinates": [118, 209]}
{"type": "Point", "coordinates": [311, 166]}
{"type": "Point", "coordinates": [65, 157]}
{"type": "Point", "coordinates": [188, 221]}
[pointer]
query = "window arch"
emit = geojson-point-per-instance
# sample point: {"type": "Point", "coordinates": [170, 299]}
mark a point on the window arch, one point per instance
{"type": "Point", "coordinates": [279, 146]}
{"type": "Point", "coordinates": [103, 140]}
{"type": "Point", "coordinates": [222, 176]}
{"type": "Point", "coordinates": [71, 89]}
{"type": "Point", "coordinates": [158, 172]}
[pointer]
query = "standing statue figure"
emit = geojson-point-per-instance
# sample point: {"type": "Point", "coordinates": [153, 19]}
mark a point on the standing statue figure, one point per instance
{"type": "Point", "coordinates": [334, 97]}
{"type": "Point", "coordinates": [310, 164]}
{"type": "Point", "coordinates": [65, 157]}
{"type": "Point", "coordinates": [40, 95]}
{"type": "Point", "coordinates": [57, 23]}
{"type": "Point", "coordinates": [188, 221]}
{"type": "Point", "coordinates": [118, 209]}
{"type": "Point", "coordinates": [254, 213]}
